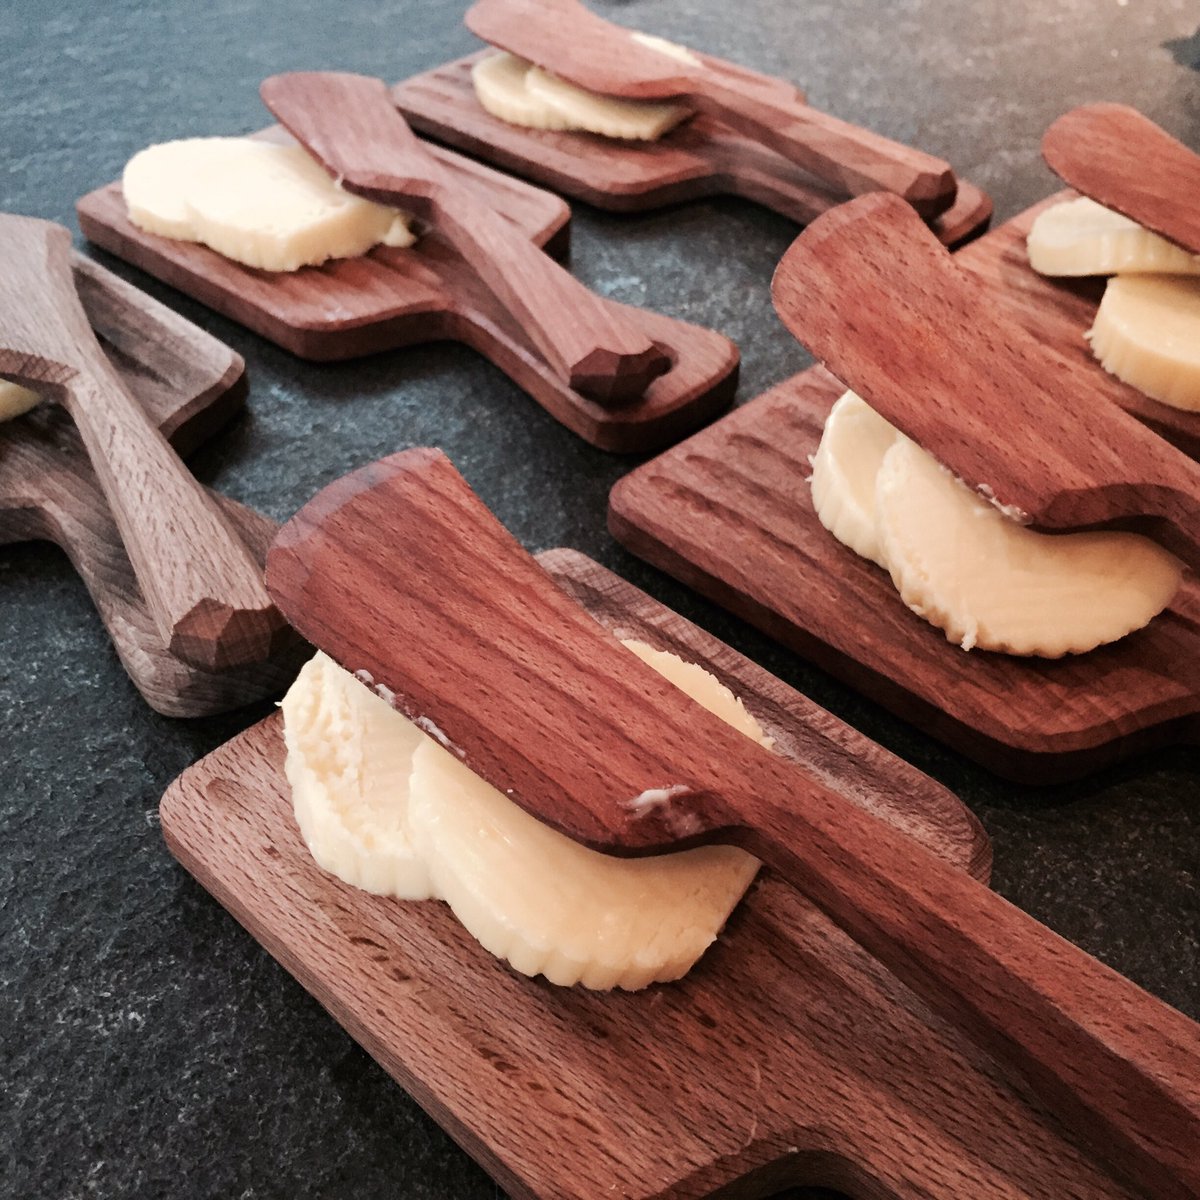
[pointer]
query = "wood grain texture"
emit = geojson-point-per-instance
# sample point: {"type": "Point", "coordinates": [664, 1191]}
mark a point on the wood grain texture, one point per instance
{"type": "Point", "coordinates": [702, 157]}
{"type": "Point", "coordinates": [189, 385]}
{"type": "Point", "coordinates": [201, 585]}
{"type": "Point", "coordinates": [918, 337]}
{"type": "Point", "coordinates": [787, 1057]}
{"type": "Point", "coordinates": [565, 37]}
{"type": "Point", "coordinates": [392, 298]}
{"type": "Point", "coordinates": [1058, 312]}
{"type": "Point", "coordinates": [349, 124]}
{"type": "Point", "coordinates": [729, 513]}
{"type": "Point", "coordinates": [1123, 160]}
{"type": "Point", "coordinates": [460, 629]}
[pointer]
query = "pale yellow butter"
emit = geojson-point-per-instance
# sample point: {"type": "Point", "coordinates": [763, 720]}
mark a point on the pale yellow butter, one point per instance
{"type": "Point", "coordinates": [383, 805]}
{"type": "Point", "coordinates": [15, 400]}
{"type": "Point", "coordinates": [520, 93]}
{"type": "Point", "coordinates": [1147, 333]}
{"type": "Point", "coordinates": [264, 205]}
{"type": "Point", "coordinates": [853, 444]}
{"type": "Point", "coordinates": [1081, 237]}
{"type": "Point", "coordinates": [966, 565]}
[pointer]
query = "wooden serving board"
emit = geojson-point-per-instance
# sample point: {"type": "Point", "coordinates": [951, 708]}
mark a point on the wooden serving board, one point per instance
{"type": "Point", "coordinates": [729, 512]}
{"type": "Point", "coordinates": [391, 298]}
{"type": "Point", "coordinates": [787, 1057]}
{"type": "Point", "coordinates": [191, 384]}
{"type": "Point", "coordinates": [703, 157]}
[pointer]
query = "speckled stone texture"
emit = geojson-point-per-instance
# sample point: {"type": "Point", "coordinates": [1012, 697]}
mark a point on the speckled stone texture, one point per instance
{"type": "Point", "coordinates": [148, 1047]}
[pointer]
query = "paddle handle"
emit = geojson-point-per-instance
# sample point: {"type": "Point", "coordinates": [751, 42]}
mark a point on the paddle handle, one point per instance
{"type": "Point", "coordinates": [201, 584]}
{"type": "Point", "coordinates": [850, 159]}
{"type": "Point", "coordinates": [1117, 1066]}
{"type": "Point", "coordinates": [351, 125]}
{"type": "Point", "coordinates": [596, 346]}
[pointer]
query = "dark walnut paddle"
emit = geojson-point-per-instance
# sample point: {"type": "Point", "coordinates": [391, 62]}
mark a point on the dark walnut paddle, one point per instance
{"type": "Point", "coordinates": [868, 289]}
{"type": "Point", "coordinates": [201, 584]}
{"type": "Point", "coordinates": [402, 575]}
{"type": "Point", "coordinates": [564, 37]}
{"type": "Point", "coordinates": [1126, 162]}
{"type": "Point", "coordinates": [349, 123]}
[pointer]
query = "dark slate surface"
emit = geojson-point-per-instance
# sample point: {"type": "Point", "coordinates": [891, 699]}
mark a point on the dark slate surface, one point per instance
{"type": "Point", "coordinates": [148, 1047]}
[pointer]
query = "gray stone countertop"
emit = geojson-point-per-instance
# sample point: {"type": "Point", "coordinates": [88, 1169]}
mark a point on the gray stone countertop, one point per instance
{"type": "Point", "coordinates": [148, 1046]}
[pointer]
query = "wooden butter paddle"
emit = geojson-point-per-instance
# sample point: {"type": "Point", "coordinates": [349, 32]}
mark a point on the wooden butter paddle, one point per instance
{"type": "Point", "coordinates": [564, 37]}
{"type": "Point", "coordinates": [201, 584]}
{"type": "Point", "coordinates": [401, 574]}
{"type": "Point", "coordinates": [1126, 162]}
{"type": "Point", "coordinates": [869, 290]}
{"type": "Point", "coordinates": [349, 123]}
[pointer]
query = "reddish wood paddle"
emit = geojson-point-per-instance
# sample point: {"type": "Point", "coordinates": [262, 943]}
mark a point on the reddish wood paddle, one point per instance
{"type": "Point", "coordinates": [1125, 161]}
{"type": "Point", "coordinates": [566, 38]}
{"type": "Point", "coordinates": [869, 290]}
{"type": "Point", "coordinates": [402, 575]}
{"type": "Point", "coordinates": [349, 123]}
{"type": "Point", "coordinates": [201, 584]}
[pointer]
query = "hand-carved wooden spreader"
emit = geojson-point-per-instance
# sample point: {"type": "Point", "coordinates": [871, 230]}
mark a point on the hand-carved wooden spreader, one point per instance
{"type": "Point", "coordinates": [396, 297]}
{"type": "Point", "coordinates": [1123, 160]}
{"type": "Point", "coordinates": [400, 572]}
{"type": "Point", "coordinates": [189, 385]}
{"type": "Point", "coordinates": [886, 309]}
{"type": "Point", "coordinates": [349, 124]}
{"type": "Point", "coordinates": [566, 38]}
{"type": "Point", "coordinates": [702, 157]}
{"type": "Point", "coordinates": [201, 584]}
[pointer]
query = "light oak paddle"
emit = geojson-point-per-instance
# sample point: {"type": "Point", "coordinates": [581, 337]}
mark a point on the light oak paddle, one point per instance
{"type": "Point", "coordinates": [401, 574]}
{"type": "Point", "coordinates": [349, 123]}
{"type": "Point", "coordinates": [869, 290]}
{"type": "Point", "coordinates": [1126, 162]}
{"type": "Point", "coordinates": [564, 37]}
{"type": "Point", "coordinates": [201, 584]}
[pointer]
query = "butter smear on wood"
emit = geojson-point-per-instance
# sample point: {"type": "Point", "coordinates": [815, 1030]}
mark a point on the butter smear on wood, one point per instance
{"type": "Point", "coordinates": [384, 807]}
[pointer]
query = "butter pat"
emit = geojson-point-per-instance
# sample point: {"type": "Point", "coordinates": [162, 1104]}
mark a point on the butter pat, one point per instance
{"type": "Point", "coordinates": [1147, 333]}
{"type": "Point", "coordinates": [349, 758]}
{"type": "Point", "coordinates": [384, 806]}
{"type": "Point", "coordinates": [847, 461]}
{"type": "Point", "coordinates": [963, 563]}
{"type": "Point", "coordinates": [15, 400]}
{"type": "Point", "coordinates": [264, 205]}
{"type": "Point", "coordinates": [1081, 237]}
{"type": "Point", "coordinates": [520, 93]}
{"type": "Point", "coordinates": [990, 583]}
